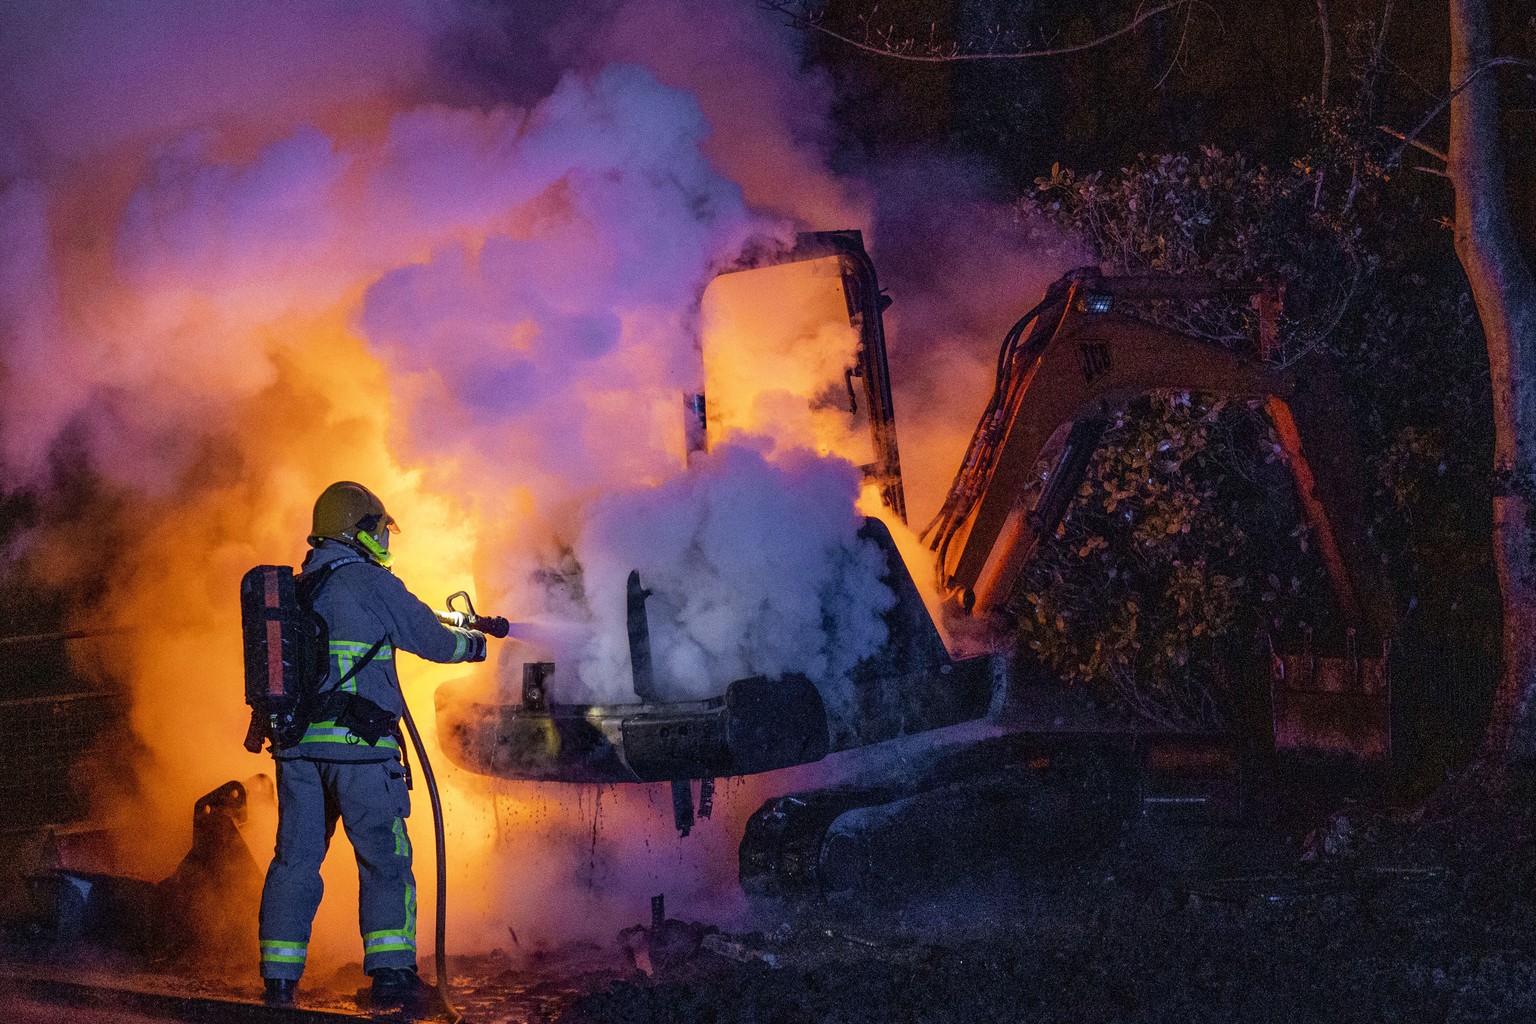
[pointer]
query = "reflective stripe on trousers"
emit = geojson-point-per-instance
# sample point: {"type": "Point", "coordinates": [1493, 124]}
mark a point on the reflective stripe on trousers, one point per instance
{"type": "Point", "coordinates": [370, 800]}
{"type": "Point", "coordinates": [283, 951]}
{"type": "Point", "coordinates": [379, 945]}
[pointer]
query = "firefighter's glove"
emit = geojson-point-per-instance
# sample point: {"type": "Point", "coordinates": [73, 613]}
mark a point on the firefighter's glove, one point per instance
{"type": "Point", "coordinates": [476, 645]}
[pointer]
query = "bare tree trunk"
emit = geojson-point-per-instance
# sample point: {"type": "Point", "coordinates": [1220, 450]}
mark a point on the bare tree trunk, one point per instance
{"type": "Point", "coordinates": [1505, 294]}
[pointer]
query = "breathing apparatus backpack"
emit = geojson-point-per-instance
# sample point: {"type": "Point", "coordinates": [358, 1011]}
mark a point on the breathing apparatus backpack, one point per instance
{"type": "Point", "coordinates": [287, 652]}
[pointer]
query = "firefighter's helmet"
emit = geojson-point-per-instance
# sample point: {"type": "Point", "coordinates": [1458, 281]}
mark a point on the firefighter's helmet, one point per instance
{"type": "Point", "coordinates": [354, 515]}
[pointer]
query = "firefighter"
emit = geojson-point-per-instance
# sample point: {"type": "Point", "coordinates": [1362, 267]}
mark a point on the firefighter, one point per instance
{"type": "Point", "coordinates": [334, 771]}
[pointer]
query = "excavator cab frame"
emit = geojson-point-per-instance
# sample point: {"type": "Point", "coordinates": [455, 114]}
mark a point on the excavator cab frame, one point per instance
{"type": "Point", "coordinates": [866, 305]}
{"type": "Point", "coordinates": [756, 724]}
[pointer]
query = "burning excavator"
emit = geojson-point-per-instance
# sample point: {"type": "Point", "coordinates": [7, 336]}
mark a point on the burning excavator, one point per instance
{"type": "Point", "coordinates": [1062, 372]}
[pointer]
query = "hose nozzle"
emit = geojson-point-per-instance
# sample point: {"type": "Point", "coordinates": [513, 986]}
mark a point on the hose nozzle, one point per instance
{"type": "Point", "coordinates": [490, 625]}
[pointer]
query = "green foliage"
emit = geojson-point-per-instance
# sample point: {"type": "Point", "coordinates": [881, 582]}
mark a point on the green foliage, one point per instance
{"type": "Point", "coordinates": [1428, 422]}
{"type": "Point", "coordinates": [1178, 539]}
{"type": "Point", "coordinates": [1172, 213]}
{"type": "Point", "coordinates": [1219, 216]}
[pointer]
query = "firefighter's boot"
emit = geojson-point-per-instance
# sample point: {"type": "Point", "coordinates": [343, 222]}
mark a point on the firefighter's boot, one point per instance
{"type": "Point", "coordinates": [401, 988]}
{"type": "Point", "coordinates": [279, 991]}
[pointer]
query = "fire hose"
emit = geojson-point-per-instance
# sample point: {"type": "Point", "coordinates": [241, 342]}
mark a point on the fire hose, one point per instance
{"type": "Point", "coordinates": [496, 626]}
{"type": "Point", "coordinates": [50, 638]}
{"type": "Point", "coordinates": [440, 954]}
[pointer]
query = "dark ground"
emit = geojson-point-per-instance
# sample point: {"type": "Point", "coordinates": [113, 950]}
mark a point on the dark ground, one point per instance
{"type": "Point", "coordinates": [1419, 914]}
{"type": "Point", "coordinates": [1312, 907]}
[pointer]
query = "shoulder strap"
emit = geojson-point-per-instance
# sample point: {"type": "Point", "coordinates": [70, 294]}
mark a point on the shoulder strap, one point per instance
{"type": "Point", "coordinates": [314, 579]}
{"type": "Point", "coordinates": [320, 576]}
{"type": "Point", "coordinates": [360, 663]}
{"type": "Point", "coordinates": [334, 701]}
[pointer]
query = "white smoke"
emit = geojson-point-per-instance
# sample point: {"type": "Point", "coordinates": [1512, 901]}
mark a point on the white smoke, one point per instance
{"type": "Point", "coordinates": [568, 319]}
{"type": "Point", "coordinates": [964, 270]}
{"type": "Point", "coordinates": [755, 568]}
{"type": "Point", "coordinates": [529, 279]}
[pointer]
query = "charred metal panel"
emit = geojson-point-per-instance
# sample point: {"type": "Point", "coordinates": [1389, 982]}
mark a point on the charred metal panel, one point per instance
{"type": "Point", "coordinates": [911, 685]}
{"type": "Point", "coordinates": [761, 725]}
{"type": "Point", "coordinates": [558, 743]}
{"type": "Point", "coordinates": [758, 725]}
{"type": "Point", "coordinates": [205, 912]}
{"type": "Point", "coordinates": [672, 742]}
{"type": "Point", "coordinates": [774, 723]}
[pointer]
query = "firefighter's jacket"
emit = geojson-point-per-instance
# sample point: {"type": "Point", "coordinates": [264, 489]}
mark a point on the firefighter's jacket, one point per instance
{"type": "Point", "coordinates": [360, 603]}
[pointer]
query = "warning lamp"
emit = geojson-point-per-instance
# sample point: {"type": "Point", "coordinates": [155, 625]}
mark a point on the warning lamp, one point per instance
{"type": "Point", "coordinates": [1095, 302]}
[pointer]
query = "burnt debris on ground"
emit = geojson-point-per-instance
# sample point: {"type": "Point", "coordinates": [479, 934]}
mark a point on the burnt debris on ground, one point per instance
{"type": "Point", "coordinates": [1314, 904]}
{"type": "Point", "coordinates": [1370, 912]}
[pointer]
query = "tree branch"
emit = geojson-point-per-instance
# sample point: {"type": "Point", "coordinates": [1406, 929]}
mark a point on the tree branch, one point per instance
{"type": "Point", "coordinates": [1415, 143]}
{"type": "Point", "coordinates": [1487, 65]}
{"type": "Point", "coordinates": [1178, 51]}
{"type": "Point", "coordinates": [799, 18]}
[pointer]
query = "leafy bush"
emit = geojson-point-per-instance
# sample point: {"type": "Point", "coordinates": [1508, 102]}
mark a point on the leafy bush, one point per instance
{"type": "Point", "coordinates": [1183, 533]}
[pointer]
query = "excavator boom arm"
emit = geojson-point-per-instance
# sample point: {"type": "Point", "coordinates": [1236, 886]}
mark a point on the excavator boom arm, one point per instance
{"type": "Point", "coordinates": [1066, 376]}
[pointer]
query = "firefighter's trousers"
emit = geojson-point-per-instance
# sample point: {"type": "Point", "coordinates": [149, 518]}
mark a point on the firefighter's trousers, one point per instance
{"type": "Point", "coordinates": [372, 803]}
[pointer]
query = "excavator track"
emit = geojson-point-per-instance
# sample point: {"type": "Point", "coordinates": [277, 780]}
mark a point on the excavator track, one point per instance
{"type": "Point", "coordinates": [781, 849]}
{"type": "Point", "coordinates": [1007, 802]}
